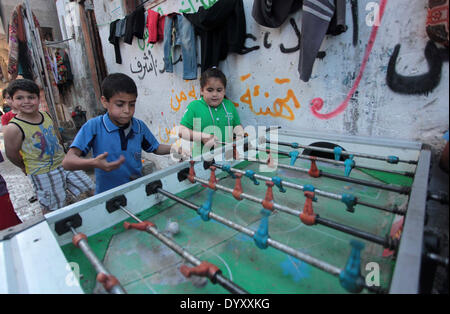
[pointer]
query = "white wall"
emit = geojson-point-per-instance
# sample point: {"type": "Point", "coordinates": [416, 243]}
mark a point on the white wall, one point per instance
{"type": "Point", "coordinates": [374, 111]}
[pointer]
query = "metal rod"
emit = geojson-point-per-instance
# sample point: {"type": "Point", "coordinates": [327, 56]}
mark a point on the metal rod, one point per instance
{"type": "Point", "coordinates": [224, 282]}
{"type": "Point", "coordinates": [325, 222]}
{"type": "Point", "coordinates": [347, 153]}
{"type": "Point", "coordinates": [443, 261]}
{"type": "Point", "coordinates": [338, 163]}
{"type": "Point", "coordinates": [275, 244]}
{"type": "Point", "coordinates": [318, 191]}
{"type": "Point", "coordinates": [388, 187]}
{"type": "Point", "coordinates": [331, 269]}
{"type": "Point", "coordinates": [95, 262]}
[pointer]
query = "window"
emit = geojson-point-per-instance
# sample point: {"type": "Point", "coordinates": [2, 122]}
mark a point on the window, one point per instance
{"type": "Point", "coordinates": [47, 33]}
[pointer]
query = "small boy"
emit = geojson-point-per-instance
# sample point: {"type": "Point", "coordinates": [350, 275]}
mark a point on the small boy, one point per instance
{"type": "Point", "coordinates": [115, 138]}
{"type": "Point", "coordinates": [11, 113]}
{"type": "Point", "coordinates": [32, 145]}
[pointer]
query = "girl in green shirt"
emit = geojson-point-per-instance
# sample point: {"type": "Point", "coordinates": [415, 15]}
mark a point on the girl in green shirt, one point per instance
{"type": "Point", "coordinates": [213, 118]}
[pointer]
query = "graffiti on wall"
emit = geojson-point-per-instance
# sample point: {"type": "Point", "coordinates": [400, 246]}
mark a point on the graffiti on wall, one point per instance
{"type": "Point", "coordinates": [259, 102]}
{"type": "Point", "coordinates": [280, 107]}
{"type": "Point", "coordinates": [181, 97]}
{"type": "Point", "coordinates": [146, 64]}
{"type": "Point", "coordinates": [318, 103]}
{"type": "Point", "coordinates": [191, 6]}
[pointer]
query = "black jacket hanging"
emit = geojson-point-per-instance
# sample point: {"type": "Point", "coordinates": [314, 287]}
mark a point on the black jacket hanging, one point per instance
{"type": "Point", "coordinates": [273, 13]}
{"type": "Point", "coordinates": [135, 25]}
{"type": "Point", "coordinates": [222, 29]}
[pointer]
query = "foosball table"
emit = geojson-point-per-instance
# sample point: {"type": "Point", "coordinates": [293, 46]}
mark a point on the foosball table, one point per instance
{"type": "Point", "coordinates": [288, 212]}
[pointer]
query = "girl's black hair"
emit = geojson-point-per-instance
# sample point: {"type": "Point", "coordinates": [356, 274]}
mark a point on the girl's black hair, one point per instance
{"type": "Point", "coordinates": [212, 72]}
{"type": "Point", "coordinates": [118, 83]}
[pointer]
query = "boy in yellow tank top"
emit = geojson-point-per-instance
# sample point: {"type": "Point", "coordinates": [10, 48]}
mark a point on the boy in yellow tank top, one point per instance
{"type": "Point", "coordinates": [31, 144]}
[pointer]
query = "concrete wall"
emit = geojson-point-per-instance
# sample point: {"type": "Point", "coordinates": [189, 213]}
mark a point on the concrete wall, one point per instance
{"type": "Point", "coordinates": [81, 92]}
{"type": "Point", "coordinates": [44, 10]}
{"type": "Point", "coordinates": [266, 85]}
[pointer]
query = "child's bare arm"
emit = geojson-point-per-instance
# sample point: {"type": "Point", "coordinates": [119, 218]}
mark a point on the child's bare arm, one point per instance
{"type": "Point", "coordinates": [74, 161]}
{"type": "Point", "coordinates": [163, 149]}
{"type": "Point", "coordinates": [190, 135]}
{"type": "Point", "coordinates": [13, 139]}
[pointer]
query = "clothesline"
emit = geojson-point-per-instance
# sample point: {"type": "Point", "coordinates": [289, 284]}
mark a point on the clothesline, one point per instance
{"type": "Point", "coordinates": [148, 7]}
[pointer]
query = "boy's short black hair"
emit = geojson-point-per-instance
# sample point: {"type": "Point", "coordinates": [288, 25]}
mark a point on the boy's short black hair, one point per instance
{"type": "Point", "coordinates": [118, 83]}
{"type": "Point", "coordinates": [4, 92]}
{"type": "Point", "coordinates": [25, 85]}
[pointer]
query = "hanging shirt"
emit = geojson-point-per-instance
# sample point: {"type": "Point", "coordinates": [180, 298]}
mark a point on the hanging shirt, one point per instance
{"type": "Point", "coordinates": [41, 151]}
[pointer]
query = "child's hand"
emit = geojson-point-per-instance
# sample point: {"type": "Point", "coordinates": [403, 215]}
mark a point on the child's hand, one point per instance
{"type": "Point", "coordinates": [105, 165]}
{"type": "Point", "coordinates": [239, 132]}
{"type": "Point", "coordinates": [209, 140]}
{"type": "Point", "coordinates": [178, 153]}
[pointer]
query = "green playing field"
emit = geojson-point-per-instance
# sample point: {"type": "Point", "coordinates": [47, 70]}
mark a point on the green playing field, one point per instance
{"type": "Point", "coordinates": [144, 265]}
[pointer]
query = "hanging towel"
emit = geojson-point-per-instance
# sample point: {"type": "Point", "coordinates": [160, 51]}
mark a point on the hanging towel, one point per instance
{"type": "Point", "coordinates": [155, 26]}
{"type": "Point", "coordinates": [316, 18]}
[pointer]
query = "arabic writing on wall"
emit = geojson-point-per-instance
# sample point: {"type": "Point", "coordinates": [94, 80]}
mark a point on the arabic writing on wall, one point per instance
{"type": "Point", "coordinates": [280, 107]}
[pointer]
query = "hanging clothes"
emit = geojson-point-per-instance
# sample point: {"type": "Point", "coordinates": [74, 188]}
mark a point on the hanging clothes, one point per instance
{"type": "Point", "coordinates": [66, 63]}
{"type": "Point", "coordinates": [337, 24]}
{"type": "Point", "coordinates": [222, 30]}
{"type": "Point", "coordinates": [113, 39]}
{"type": "Point", "coordinates": [18, 56]}
{"type": "Point", "coordinates": [155, 26]}
{"type": "Point", "coordinates": [273, 13]}
{"type": "Point", "coordinates": [316, 18]}
{"type": "Point", "coordinates": [63, 67]}
{"type": "Point", "coordinates": [180, 32]}
{"type": "Point", "coordinates": [54, 64]}
{"type": "Point", "coordinates": [120, 27]}
{"type": "Point", "coordinates": [135, 25]}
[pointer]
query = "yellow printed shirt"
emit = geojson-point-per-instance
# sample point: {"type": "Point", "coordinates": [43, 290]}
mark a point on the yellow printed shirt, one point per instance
{"type": "Point", "coordinates": [41, 150]}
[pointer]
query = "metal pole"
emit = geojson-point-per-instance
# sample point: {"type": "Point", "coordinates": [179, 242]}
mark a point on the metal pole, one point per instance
{"type": "Point", "coordinates": [347, 153]}
{"type": "Point", "coordinates": [333, 270]}
{"type": "Point", "coordinates": [95, 262]}
{"type": "Point", "coordinates": [318, 191]}
{"type": "Point", "coordinates": [224, 282]}
{"type": "Point", "coordinates": [286, 249]}
{"type": "Point", "coordinates": [392, 188]}
{"type": "Point", "coordinates": [339, 163]}
{"type": "Point", "coordinates": [319, 220]}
